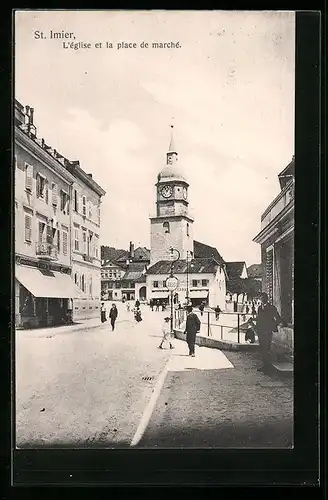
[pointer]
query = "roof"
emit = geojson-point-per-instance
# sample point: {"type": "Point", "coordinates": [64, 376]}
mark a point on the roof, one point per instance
{"type": "Point", "coordinates": [112, 263]}
{"type": "Point", "coordinates": [205, 251]}
{"type": "Point", "coordinates": [235, 269]}
{"type": "Point", "coordinates": [142, 253]}
{"type": "Point", "coordinates": [206, 265]}
{"type": "Point", "coordinates": [255, 271]}
{"type": "Point", "coordinates": [134, 271]}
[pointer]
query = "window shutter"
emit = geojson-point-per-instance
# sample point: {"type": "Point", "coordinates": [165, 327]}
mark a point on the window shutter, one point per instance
{"type": "Point", "coordinates": [28, 177]}
{"type": "Point", "coordinates": [58, 240]}
{"type": "Point", "coordinates": [65, 241]}
{"type": "Point", "coordinates": [54, 195]}
{"type": "Point", "coordinates": [46, 196]}
{"type": "Point", "coordinates": [49, 234]}
{"type": "Point", "coordinates": [28, 228]}
{"type": "Point", "coordinates": [40, 232]}
{"type": "Point", "coordinates": [84, 205]}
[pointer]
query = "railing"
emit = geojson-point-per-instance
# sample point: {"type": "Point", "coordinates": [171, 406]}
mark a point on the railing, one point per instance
{"type": "Point", "coordinates": [278, 204]}
{"type": "Point", "coordinates": [227, 326]}
{"type": "Point", "coordinates": [47, 251]}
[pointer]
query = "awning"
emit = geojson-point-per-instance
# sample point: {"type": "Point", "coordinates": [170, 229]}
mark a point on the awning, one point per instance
{"type": "Point", "coordinates": [198, 294]}
{"type": "Point", "coordinates": [160, 294]}
{"type": "Point", "coordinates": [51, 284]}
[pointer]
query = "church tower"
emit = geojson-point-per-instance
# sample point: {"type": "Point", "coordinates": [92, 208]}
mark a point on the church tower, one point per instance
{"type": "Point", "coordinates": [172, 226]}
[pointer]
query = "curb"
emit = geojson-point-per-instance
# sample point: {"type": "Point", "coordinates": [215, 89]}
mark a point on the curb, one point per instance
{"type": "Point", "coordinates": [217, 344]}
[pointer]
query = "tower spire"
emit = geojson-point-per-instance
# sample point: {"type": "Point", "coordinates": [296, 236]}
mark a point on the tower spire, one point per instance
{"type": "Point", "coordinates": [172, 154]}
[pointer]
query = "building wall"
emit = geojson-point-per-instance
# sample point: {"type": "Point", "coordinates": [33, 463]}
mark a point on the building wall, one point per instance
{"type": "Point", "coordinates": [27, 203]}
{"type": "Point", "coordinates": [180, 237]}
{"type": "Point", "coordinates": [216, 286]}
{"type": "Point", "coordinates": [86, 259]}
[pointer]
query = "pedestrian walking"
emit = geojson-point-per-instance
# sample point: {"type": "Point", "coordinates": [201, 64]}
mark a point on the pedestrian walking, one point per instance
{"type": "Point", "coordinates": [137, 304]}
{"type": "Point", "coordinates": [157, 305]}
{"type": "Point", "coordinates": [113, 313]}
{"type": "Point", "coordinates": [192, 328]}
{"type": "Point", "coordinates": [167, 336]}
{"type": "Point", "coordinates": [217, 313]}
{"type": "Point", "coordinates": [128, 306]}
{"type": "Point", "coordinates": [250, 332]}
{"type": "Point", "coordinates": [201, 308]}
{"type": "Point", "coordinates": [137, 315]}
{"type": "Point", "coordinates": [103, 312]}
{"type": "Point", "coordinates": [267, 322]}
{"type": "Point", "coordinates": [151, 303]}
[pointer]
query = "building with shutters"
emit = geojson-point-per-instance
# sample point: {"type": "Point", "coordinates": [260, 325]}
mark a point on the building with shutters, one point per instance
{"type": "Point", "coordinates": [277, 250]}
{"type": "Point", "coordinates": [201, 270]}
{"type": "Point", "coordinates": [123, 276]}
{"type": "Point", "coordinates": [85, 229]}
{"type": "Point", "coordinates": [45, 292]}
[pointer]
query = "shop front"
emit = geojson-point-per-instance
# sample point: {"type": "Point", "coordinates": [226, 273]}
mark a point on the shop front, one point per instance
{"type": "Point", "coordinates": [43, 297]}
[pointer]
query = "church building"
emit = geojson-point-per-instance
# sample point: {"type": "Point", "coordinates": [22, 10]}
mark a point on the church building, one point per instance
{"type": "Point", "coordinates": [199, 268]}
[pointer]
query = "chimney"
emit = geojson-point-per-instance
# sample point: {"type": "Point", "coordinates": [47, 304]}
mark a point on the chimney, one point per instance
{"type": "Point", "coordinates": [90, 175]}
{"type": "Point", "coordinates": [131, 250]}
{"type": "Point", "coordinates": [31, 115]}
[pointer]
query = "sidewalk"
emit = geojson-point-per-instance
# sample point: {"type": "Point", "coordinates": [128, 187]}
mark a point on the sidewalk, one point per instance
{"type": "Point", "coordinates": [56, 330]}
{"type": "Point", "coordinates": [221, 404]}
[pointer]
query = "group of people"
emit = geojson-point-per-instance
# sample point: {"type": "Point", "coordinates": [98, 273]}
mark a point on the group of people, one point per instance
{"type": "Point", "coordinates": [157, 304]}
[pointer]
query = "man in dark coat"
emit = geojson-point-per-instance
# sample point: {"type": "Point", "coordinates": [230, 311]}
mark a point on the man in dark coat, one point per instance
{"type": "Point", "coordinates": [267, 321]}
{"type": "Point", "coordinates": [113, 313]}
{"type": "Point", "coordinates": [192, 328]}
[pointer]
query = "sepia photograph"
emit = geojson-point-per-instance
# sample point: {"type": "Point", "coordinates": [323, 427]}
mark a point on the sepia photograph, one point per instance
{"type": "Point", "coordinates": [154, 169]}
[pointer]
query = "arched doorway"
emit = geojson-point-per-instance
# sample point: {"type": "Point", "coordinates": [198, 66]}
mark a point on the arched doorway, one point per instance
{"type": "Point", "coordinates": [143, 293]}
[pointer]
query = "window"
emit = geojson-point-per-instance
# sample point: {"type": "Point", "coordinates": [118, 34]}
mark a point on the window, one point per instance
{"type": "Point", "coordinates": [90, 285]}
{"type": "Point", "coordinates": [90, 244]}
{"type": "Point", "coordinates": [117, 285]}
{"type": "Point", "coordinates": [49, 235]}
{"type": "Point", "coordinates": [42, 188]}
{"type": "Point", "coordinates": [194, 283]}
{"type": "Point", "coordinates": [28, 177]}
{"type": "Point", "coordinates": [83, 283]}
{"type": "Point", "coordinates": [155, 284]}
{"type": "Point", "coordinates": [76, 201]}
{"type": "Point", "coordinates": [204, 282]}
{"type": "Point", "coordinates": [76, 278]}
{"type": "Point", "coordinates": [64, 202]}
{"type": "Point", "coordinates": [98, 214]}
{"type": "Point", "coordinates": [54, 190]}
{"type": "Point", "coordinates": [58, 240]}
{"type": "Point", "coordinates": [166, 226]}
{"type": "Point", "coordinates": [84, 242]}
{"type": "Point", "coordinates": [187, 228]}
{"type": "Point", "coordinates": [90, 210]}
{"type": "Point", "coordinates": [84, 206]}
{"type": "Point", "coordinates": [65, 242]}
{"type": "Point", "coordinates": [28, 228]}
{"type": "Point", "coordinates": [76, 239]}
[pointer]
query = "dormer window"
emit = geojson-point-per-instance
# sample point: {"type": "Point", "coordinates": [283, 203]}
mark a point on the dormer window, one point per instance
{"type": "Point", "coordinates": [166, 226]}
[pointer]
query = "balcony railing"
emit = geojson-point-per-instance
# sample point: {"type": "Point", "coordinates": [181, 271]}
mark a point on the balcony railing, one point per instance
{"type": "Point", "coordinates": [47, 251]}
{"type": "Point", "coordinates": [278, 204]}
{"type": "Point", "coordinates": [87, 258]}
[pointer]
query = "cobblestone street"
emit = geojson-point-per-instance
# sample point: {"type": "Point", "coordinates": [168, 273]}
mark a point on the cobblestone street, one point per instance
{"type": "Point", "coordinates": [97, 388]}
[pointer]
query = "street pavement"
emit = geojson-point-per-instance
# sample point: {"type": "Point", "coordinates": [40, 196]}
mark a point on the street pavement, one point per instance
{"type": "Point", "coordinates": [96, 388]}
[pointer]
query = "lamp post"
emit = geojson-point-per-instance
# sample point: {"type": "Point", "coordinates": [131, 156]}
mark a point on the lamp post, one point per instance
{"type": "Point", "coordinates": [172, 283]}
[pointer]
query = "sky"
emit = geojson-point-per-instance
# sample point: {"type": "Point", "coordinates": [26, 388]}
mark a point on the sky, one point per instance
{"type": "Point", "coordinates": [228, 89]}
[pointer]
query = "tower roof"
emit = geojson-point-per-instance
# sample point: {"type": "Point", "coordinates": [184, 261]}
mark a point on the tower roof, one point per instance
{"type": "Point", "coordinates": [171, 171]}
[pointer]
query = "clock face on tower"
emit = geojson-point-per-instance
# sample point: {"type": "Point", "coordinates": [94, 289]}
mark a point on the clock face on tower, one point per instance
{"type": "Point", "coordinates": [167, 191]}
{"type": "Point", "coordinates": [185, 193]}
